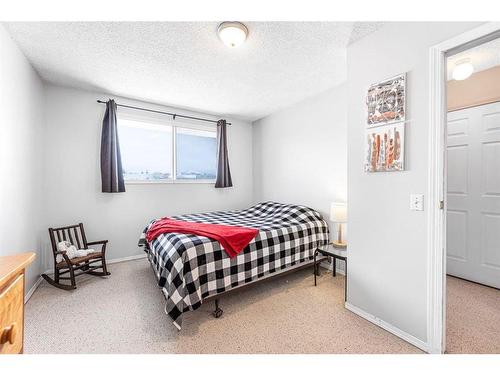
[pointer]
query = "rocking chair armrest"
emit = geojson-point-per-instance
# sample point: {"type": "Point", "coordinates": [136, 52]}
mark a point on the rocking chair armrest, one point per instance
{"type": "Point", "coordinates": [102, 243]}
{"type": "Point", "coordinates": [62, 252]}
{"type": "Point", "coordinates": [98, 242]}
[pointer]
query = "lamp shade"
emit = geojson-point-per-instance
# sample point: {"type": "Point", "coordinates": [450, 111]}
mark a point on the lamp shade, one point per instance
{"type": "Point", "coordinates": [338, 212]}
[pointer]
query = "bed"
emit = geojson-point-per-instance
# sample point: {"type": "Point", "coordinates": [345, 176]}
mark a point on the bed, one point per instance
{"type": "Point", "coordinates": [191, 269]}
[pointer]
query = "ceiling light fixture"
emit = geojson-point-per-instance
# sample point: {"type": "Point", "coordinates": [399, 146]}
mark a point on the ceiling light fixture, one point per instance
{"type": "Point", "coordinates": [463, 70]}
{"type": "Point", "coordinates": [232, 34]}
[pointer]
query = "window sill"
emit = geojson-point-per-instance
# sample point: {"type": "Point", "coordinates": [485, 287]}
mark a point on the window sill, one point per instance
{"type": "Point", "coordinates": [168, 182]}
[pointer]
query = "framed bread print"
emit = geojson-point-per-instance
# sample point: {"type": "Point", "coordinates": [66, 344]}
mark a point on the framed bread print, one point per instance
{"type": "Point", "coordinates": [386, 101]}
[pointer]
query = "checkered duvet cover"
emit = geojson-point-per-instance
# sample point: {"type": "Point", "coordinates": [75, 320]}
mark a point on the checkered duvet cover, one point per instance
{"type": "Point", "coordinates": [190, 268]}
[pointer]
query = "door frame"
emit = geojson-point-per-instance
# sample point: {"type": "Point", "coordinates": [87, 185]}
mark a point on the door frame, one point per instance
{"type": "Point", "coordinates": [436, 218]}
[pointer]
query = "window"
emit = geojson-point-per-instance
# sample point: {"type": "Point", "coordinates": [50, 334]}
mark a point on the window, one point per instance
{"type": "Point", "coordinates": [196, 151]}
{"type": "Point", "coordinates": [147, 151]}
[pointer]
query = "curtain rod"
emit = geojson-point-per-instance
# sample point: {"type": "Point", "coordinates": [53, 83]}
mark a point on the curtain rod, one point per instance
{"type": "Point", "coordinates": [174, 115]}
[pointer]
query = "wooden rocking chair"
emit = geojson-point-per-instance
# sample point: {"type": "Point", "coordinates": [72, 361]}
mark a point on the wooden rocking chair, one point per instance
{"type": "Point", "coordinates": [75, 234]}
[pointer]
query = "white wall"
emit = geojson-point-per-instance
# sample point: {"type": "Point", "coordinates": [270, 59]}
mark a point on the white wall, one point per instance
{"type": "Point", "coordinates": [300, 153]}
{"type": "Point", "coordinates": [74, 122]}
{"type": "Point", "coordinates": [387, 241]}
{"type": "Point", "coordinates": [21, 156]}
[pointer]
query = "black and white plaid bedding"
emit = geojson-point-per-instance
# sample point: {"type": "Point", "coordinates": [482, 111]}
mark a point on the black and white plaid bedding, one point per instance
{"type": "Point", "coordinates": [190, 268]}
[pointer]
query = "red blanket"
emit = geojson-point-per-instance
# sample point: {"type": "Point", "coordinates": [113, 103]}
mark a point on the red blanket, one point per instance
{"type": "Point", "coordinates": [232, 238]}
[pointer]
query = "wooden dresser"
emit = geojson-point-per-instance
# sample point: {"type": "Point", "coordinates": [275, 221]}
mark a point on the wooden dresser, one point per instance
{"type": "Point", "coordinates": [12, 301]}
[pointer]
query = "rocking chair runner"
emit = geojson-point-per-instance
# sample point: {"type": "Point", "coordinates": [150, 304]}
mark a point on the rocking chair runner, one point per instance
{"type": "Point", "coordinates": [76, 235]}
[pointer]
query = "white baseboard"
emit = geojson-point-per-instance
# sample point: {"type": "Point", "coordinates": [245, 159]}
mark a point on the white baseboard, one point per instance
{"type": "Point", "coordinates": [126, 259]}
{"type": "Point", "coordinates": [50, 272]}
{"type": "Point", "coordinates": [389, 327]}
{"type": "Point", "coordinates": [32, 290]}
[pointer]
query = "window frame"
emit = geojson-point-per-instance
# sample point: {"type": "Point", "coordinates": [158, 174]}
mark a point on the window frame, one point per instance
{"type": "Point", "coordinates": [160, 120]}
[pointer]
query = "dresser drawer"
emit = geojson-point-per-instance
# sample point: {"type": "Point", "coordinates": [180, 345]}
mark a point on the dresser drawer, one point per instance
{"type": "Point", "coordinates": [11, 316]}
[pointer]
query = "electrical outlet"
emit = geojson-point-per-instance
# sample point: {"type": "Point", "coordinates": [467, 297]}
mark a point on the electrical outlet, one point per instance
{"type": "Point", "coordinates": [417, 202]}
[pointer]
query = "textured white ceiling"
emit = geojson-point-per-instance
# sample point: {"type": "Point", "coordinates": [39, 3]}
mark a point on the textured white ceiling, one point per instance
{"type": "Point", "coordinates": [482, 57]}
{"type": "Point", "coordinates": [184, 64]}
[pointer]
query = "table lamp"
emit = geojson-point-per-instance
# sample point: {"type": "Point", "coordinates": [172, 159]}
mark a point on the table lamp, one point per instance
{"type": "Point", "coordinates": [338, 214]}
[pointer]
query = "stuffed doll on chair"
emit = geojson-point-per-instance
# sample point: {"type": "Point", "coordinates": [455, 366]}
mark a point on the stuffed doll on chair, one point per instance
{"type": "Point", "coordinates": [71, 251]}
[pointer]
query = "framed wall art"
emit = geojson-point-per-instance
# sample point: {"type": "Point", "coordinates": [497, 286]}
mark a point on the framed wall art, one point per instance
{"type": "Point", "coordinates": [386, 101]}
{"type": "Point", "coordinates": [384, 149]}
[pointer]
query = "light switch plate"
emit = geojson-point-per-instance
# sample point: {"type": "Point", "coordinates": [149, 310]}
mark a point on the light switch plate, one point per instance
{"type": "Point", "coordinates": [417, 202]}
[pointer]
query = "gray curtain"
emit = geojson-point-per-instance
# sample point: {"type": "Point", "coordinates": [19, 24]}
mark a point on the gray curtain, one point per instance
{"type": "Point", "coordinates": [223, 172]}
{"type": "Point", "coordinates": [111, 161]}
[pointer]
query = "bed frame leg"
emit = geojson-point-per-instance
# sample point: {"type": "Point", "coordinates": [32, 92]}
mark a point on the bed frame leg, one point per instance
{"type": "Point", "coordinates": [218, 311]}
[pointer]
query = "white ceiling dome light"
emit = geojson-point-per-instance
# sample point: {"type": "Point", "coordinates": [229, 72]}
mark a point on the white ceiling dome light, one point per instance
{"type": "Point", "coordinates": [463, 70]}
{"type": "Point", "coordinates": [232, 34]}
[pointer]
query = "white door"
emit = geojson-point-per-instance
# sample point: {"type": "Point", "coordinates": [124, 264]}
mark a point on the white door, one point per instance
{"type": "Point", "coordinates": [473, 215]}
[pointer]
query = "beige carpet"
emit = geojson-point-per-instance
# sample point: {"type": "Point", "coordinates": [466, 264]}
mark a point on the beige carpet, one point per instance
{"type": "Point", "coordinates": [124, 314]}
{"type": "Point", "coordinates": [473, 318]}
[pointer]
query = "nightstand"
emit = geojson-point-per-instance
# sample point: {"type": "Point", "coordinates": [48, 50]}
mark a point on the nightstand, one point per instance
{"type": "Point", "coordinates": [336, 252]}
